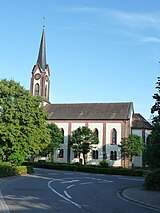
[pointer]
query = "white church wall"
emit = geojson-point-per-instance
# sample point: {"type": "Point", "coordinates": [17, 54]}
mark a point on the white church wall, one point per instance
{"type": "Point", "coordinates": [147, 133]}
{"type": "Point", "coordinates": [64, 146]}
{"type": "Point", "coordinates": [137, 132]}
{"type": "Point", "coordinates": [74, 126]}
{"type": "Point", "coordinates": [138, 159]}
{"type": "Point", "coordinates": [109, 147]}
{"type": "Point", "coordinates": [99, 146]}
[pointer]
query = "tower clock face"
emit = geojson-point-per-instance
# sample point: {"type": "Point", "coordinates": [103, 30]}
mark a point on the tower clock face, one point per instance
{"type": "Point", "coordinates": [37, 76]}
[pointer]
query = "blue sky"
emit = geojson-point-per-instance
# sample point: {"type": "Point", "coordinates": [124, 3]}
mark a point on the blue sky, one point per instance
{"type": "Point", "coordinates": [97, 50]}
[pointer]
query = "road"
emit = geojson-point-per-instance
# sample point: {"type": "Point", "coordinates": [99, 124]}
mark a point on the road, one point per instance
{"type": "Point", "coordinates": [54, 191]}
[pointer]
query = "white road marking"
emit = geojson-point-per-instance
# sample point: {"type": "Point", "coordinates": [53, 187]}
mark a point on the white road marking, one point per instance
{"type": "Point", "coordinates": [3, 206]}
{"type": "Point", "coordinates": [70, 186]}
{"type": "Point", "coordinates": [109, 181]}
{"type": "Point", "coordinates": [86, 183]}
{"type": "Point", "coordinates": [60, 195]}
{"type": "Point", "coordinates": [131, 179]}
{"type": "Point", "coordinates": [70, 181]}
{"type": "Point", "coordinates": [65, 192]}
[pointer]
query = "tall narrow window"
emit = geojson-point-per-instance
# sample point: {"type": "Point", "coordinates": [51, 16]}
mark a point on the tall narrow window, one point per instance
{"type": "Point", "coordinates": [96, 132]}
{"type": "Point", "coordinates": [95, 154]}
{"type": "Point", "coordinates": [37, 89]}
{"type": "Point", "coordinates": [75, 155]}
{"type": "Point", "coordinates": [46, 91]}
{"type": "Point", "coordinates": [62, 130]}
{"type": "Point", "coordinates": [114, 155]}
{"type": "Point", "coordinates": [111, 155]}
{"type": "Point", "coordinates": [113, 136]}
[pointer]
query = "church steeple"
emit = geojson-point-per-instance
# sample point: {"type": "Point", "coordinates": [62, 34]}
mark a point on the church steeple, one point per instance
{"type": "Point", "coordinates": [40, 83]}
{"type": "Point", "coordinates": [42, 52]}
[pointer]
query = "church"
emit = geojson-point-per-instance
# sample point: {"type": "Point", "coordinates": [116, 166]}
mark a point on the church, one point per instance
{"type": "Point", "coordinates": [110, 121]}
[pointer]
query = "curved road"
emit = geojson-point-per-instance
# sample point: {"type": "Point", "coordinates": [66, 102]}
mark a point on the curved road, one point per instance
{"type": "Point", "coordinates": [67, 192]}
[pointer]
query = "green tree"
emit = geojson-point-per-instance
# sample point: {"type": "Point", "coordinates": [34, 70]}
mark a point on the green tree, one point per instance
{"type": "Point", "coordinates": [131, 146]}
{"type": "Point", "coordinates": [152, 153]}
{"type": "Point", "coordinates": [23, 130]}
{"type": "Point", "coordinates": [82, 141]}
{"type": "Point", "coordinates": [56, 140]}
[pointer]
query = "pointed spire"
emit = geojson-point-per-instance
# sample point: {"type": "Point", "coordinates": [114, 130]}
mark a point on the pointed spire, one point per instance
{"type": "Point", "coordinates": [42, 52]}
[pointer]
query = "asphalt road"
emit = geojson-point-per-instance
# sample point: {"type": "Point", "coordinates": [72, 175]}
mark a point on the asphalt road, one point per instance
{"type": "Point", "coordinates": [67, 192]}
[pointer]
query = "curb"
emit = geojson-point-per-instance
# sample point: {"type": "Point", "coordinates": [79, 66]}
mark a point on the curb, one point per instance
{"type": "Point", "coordinates": [121, 194]}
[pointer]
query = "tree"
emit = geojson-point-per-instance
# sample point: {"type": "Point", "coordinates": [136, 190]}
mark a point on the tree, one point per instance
{"type": "Point", "coordinates": [82, 141]}
{"type": "Point", "coordinates": [56, 139]}
{"type": "Point", "coordinates": [152, 153]}
{"type": "Point", "coordinates": [131, 146]}
{"type": "Point", "coordinates": [23, 130]}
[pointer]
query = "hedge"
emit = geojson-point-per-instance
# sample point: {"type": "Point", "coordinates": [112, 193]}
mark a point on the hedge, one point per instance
{"type": "Point", "coordinates": [6, 170]}
{"type": "Point", "coordinates": [86, 168]}
{"type": "Point", "coordinates": [152, 180]}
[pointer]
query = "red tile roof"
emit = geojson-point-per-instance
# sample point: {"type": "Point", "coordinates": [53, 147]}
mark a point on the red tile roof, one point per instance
{"type": "Point", "coordinates": [89, 111]}
{"type": "Point", "coordinates": [139, 122]}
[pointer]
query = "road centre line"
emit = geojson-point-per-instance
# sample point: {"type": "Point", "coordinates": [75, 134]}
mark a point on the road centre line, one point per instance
{"type": "Point", "coordinates": [60, 195]}
{"type": "Point", "coordinates": [86, 183]}
{"type": "Point", "coordinates": [109, 181]}
{"type": "Point", "coordinates": [70, 181]}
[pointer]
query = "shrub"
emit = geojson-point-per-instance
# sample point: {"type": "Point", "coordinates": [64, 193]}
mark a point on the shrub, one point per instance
{"type": "Point", "coordinates": [5, 169]}
{"type": "Point", "coordinates": [152, 180]}
{"type": "Point", "coordinates": [22, 170]}
{"type": "Point", "coordinates": [104, 164]}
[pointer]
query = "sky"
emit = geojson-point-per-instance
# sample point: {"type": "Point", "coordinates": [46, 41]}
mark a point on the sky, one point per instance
{"type": "Point", "coordinates": [97, 50]}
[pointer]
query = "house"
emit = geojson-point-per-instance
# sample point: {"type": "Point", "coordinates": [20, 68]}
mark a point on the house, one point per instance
{"type": "Point", "coordinates": [110, 121]}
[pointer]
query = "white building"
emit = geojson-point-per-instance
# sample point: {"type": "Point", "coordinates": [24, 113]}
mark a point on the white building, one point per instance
{"type": "Point", "coordinates": [110, 121]}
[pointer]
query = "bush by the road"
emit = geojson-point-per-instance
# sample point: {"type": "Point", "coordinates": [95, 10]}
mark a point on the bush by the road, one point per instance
{"type": "Point", "coordinates": [6, 170]}
{"type": "Point", "coordinates": [86, 168]}
{"type": "Point", "coordinates": [104, 164]}
{"type": "Point", "coordinates": [152, 180]}
{"type": "Point", "coordinates": [22, 170]}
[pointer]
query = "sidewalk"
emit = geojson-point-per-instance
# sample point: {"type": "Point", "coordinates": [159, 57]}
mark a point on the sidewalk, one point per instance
{"type": "Point", "coordinates": [143, 197]}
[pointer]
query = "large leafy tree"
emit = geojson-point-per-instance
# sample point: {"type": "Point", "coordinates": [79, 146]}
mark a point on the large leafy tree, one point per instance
{"type": "Point", "coordinates": [56, 140]}
{"type": "Point", "coordinates": [152, 153]}
{"type": "Point", "coordinates": [82, 141]}
{"type": "Point", "coordinates": [131, 146]}
{"type": "Point", "coordinates": [23, 129]}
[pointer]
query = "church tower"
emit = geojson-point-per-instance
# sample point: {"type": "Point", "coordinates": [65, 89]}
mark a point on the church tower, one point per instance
{"type": "Point", "coordinates": [40, 83]}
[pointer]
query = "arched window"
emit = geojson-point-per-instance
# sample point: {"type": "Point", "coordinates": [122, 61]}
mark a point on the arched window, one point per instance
{"type": "Point", "coordinates": [75, 155]}
{"type": "Point", "coordinates": [36, 89]}
{"type": "Point", "coordinates": [113, 136]}
{"type": "Point", "coordinates": [111, 155]}
{"type": "Point", "coordinates": [114, 155]}
{"type": "Point", "coordinates": [60, 153]}
{"type": "Point", "coordinates": [46, 91]}
{"type": "Point", "coordinates": [96, 132]}
{"type": "Point", "coordinates": [62, 130]}
{"type": "Point", "coordinates": [95, 154]}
